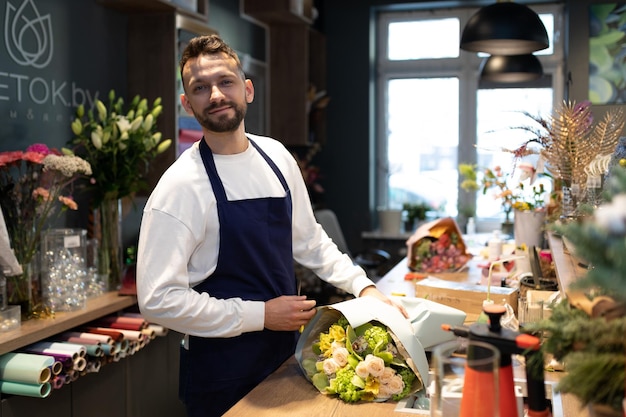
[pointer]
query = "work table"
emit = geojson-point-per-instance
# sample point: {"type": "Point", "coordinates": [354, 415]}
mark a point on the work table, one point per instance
{"type": "Point", "coordinates": [287, 392]}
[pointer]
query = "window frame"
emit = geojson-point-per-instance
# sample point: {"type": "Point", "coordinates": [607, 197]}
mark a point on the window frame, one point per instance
{"type": "Point", "coordinates": [466, 68]}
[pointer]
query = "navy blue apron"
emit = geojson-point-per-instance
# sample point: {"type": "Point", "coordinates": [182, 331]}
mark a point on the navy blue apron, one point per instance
{"type": "Point", "coordinates": [255, 262]}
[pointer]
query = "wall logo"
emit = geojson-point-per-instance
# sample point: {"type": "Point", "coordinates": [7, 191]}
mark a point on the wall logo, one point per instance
{"type": "Point", "coordinates": [28, 35]}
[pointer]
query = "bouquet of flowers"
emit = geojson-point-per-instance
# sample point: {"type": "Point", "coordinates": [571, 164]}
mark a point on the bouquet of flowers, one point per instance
{"type": "Point", "coordinates": [361, 361]}
{"type": "Point", "coordinates": [437, 247]}
{"type": "Point", "coordinates": [32, 186]}
{"type": "Point", "coordinates": [119, 144]}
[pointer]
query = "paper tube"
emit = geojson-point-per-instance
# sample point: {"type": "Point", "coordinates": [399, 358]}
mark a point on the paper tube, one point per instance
{"type": "Point", "coordinates": [96, 336]}
{"type": "Point", "coordinates": [158, 329]}
{"type": "Point", "coordinates": [62, 346]}
{"type": "Point", "coordinates": [25, 368]}
{"type": "Point", "coordinates": [28, 390]}
{"type": "Point", "coordinates": [80, 364]}
{"type": "Point", "coordinates": [115, 334]}
{"type": "Point", "coordinates": [58, 354]}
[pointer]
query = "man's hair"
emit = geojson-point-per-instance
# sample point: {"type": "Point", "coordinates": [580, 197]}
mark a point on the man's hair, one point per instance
{"type": "Point", "coordinates": [208, 45]}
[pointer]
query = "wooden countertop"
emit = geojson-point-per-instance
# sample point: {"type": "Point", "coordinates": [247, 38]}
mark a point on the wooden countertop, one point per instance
{"type": "Point", "coordinates": [34, 330]}
{"type": "Point", "coordinates": [287, 393]}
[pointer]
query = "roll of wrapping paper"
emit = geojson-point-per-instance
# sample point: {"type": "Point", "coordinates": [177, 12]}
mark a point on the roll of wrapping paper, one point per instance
{"type": "Point", "coordinates": [62, 346]}
{"type": "Point", "coordinates": [27, 390]}
{"type": "Point", "coordinates": [92, 346]}
{"type": "Point", "coordinates": [127, 334]}
{"type": "Point", "coordinates": [109, 348]}
{"type": "Point", "coordinates": [64, 358]}
{"type": "Point", "coordinates": [26, 368]}
{"type": "Point", "coordinates": [60, 355]}
{"type": "Point", "coordinates": [58, 381]}
{"type": "Point", "coordinates": [56, 368]}
{"type": "Point", "coordinates": [116, 335]}
{"type": "Point", "coordinates": [80, 364]}
{"type": "Point", "coordinates": [122, 322]}
{"type": "Point", "coordinates": [158, 329]}
{"type": "Point", "coordinates": [150, 333]}
{"type": "Point", "coordinates": [85, 335]}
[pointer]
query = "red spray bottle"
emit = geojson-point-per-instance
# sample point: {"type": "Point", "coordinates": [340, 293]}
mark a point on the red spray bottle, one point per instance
{"type": "Point", "coordinates": [510, 342]}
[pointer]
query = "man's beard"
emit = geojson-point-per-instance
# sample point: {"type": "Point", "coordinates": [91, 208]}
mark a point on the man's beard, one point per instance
{"type": "Point", "coordinates": [223, 123]}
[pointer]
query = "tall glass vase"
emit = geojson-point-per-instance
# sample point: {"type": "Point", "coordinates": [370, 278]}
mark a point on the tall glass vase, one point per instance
{"type": "Point", "coordinates": [108, 225]}
{"type": "Point", "coordinates": [20, 289]}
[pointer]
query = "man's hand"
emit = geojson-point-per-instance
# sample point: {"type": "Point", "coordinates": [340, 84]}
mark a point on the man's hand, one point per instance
{"type": "Point", "coordinates": [375, 292]}
{"type": "Point", "coordinates": [288, 312]}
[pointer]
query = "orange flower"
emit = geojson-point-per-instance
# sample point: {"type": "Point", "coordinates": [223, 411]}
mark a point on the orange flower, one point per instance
{"type": "Point", "coordinates": [68, 202]}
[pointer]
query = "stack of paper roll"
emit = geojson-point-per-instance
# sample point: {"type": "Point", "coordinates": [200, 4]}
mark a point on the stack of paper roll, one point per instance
{"type": "Point", "coordinates": [38, 368]}
{"type": "Point", "coordinates": [26, 374]}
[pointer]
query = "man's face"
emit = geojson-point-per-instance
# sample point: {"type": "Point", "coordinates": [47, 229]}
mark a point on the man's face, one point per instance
{"type": "Point", "coordinates": [215, 93]}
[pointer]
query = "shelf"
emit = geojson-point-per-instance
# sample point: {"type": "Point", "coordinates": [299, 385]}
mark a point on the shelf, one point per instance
{"type": "Point", "coordinates": [149, 6]}
{"type": "Point", "coordinates": [34, 330]}
{"type": "Point", "coordinates": [279, 11]}
{"type": "Point", "coordinates": [567, 268]}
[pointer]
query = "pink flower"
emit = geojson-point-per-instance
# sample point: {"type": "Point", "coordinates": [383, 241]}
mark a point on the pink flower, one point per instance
{"type": "Point", "coordinates": [39, 148]}
{"type": "Point", "coordinates": [35, 157]}
{"type": "Point", "coordinates": [7, 158]}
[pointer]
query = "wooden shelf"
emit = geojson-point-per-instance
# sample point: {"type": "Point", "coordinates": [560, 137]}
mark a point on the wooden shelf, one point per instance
{"type": "Point", "coordinates": [34, 330]}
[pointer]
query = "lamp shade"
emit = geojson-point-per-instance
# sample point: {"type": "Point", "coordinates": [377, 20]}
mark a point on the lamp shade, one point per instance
{"type": "Point", "coordinates": [511, 68]}
{"type": "Point", "coordinates": [504, 29]}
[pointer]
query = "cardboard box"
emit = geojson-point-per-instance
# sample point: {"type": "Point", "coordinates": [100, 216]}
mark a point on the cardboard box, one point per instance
{"type": "Point", "coordinates": [464, 296]}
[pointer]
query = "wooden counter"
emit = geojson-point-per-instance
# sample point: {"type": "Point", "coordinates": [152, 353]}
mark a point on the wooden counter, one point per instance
{"type": "Point", "coordinates": [34, 330]}
{"type": "Point", "coordinates": [286, 392]}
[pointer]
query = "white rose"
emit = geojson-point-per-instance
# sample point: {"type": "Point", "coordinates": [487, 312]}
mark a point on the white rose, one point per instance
{"type": "Point", "coordinates": [388, 373]}
{"type": "Point", "coordinates": [361, 370]}
{"type": "Point", "coordinates": [330, 366]}
{"type": "Point", "coordinates": [375, 365]}
{"type": "Point", "coordinates": [340, 355]}
{"type": "Point", "coordinates": [396, 384]}
{"type": "Point", "coordinates": [384, 392]}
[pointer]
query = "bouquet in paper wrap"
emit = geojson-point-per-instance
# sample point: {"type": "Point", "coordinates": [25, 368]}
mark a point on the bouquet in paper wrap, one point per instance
{"type": "Point", "coordinates": [365, 350]}
{"type": "Point", "coordinates": [437, 246]}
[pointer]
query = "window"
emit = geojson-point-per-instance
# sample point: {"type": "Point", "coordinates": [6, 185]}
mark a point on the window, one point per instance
{"type": "Point", "coordinates": [433, 112]}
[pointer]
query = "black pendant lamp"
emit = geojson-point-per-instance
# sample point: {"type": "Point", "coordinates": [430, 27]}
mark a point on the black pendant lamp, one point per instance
{"type": "Point", "coordinates": [511, 68]}
{"type": "Point", "coordinates": [504, 28]}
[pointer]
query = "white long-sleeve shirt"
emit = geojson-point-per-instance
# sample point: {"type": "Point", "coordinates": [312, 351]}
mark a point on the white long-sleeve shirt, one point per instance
{"type": "Point", "coordinates": [179, 240]}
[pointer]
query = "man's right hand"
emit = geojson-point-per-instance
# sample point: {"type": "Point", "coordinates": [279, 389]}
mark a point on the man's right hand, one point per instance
{"type": "Point", "coordinates": [288, 312]}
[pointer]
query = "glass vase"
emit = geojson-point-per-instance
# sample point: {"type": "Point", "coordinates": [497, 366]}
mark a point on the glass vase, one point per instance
{"type": "Point", "coordinates": [20, 289]}
{"type": "Point", "coordinates": [108, 225]}
{"type": "Point", "coordinates": [64, 269]}
{"type": "Point", "coordinates": [570, 200]}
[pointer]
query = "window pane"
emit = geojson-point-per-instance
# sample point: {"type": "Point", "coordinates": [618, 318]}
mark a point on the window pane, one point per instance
{"type": "Point", "coordinates": [410, 40]}
{"type": "Point", "coordinates": [498, 113]}
{"type": "Point", "coordinates": [422, 144]}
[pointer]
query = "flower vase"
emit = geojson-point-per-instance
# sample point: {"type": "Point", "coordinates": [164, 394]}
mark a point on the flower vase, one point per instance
{"type": "Point", "coordinates": [20, 289]}
{"type": "Point", "coordinates": [529, 228]}
{"type": "Point", "coordinates": [108, 223]}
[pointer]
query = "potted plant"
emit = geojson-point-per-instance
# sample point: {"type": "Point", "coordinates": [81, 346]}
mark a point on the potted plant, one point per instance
{"type": "Point", "coordinates": [415, 212]}
{"type": "Point", "coordinates": [586, 331]}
